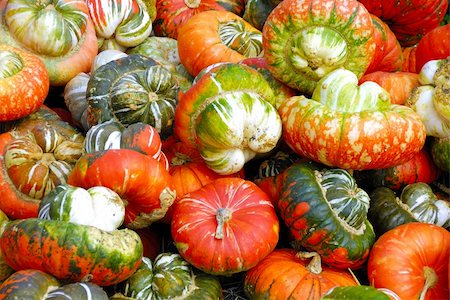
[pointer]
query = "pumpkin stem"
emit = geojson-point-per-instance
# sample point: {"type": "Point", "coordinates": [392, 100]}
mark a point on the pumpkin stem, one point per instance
{"type": "Point", "coordinates": [315, 265]}
{"type": "Point", "coordinates": [431, 280]}
{"type": "Point", "coordinates": [223, 215]}
{"type": "Point", "coordinates": [192, 3]}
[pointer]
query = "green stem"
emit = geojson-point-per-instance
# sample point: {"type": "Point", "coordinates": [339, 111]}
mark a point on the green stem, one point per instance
{"type": "Point", "coordinates": [431, 280]}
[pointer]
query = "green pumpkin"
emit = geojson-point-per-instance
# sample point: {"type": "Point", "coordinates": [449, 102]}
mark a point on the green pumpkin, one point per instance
{"type": "Point", "coordinates": [132, 89]}
{"type": "Point", "coordinates": [256, 11]}
{"type": "Point", "coordinates": [326, 212]}
{"type": "Point", "coordinates": [79, 291]}
{"type": "Point", "coordinates": [417, 203]}
{"type": "Point", "coordinates": [355, 292]}
{"type": "Point", "coordinates": [169, 277]}
{"type": "Point", "coordinates": [97, 206]}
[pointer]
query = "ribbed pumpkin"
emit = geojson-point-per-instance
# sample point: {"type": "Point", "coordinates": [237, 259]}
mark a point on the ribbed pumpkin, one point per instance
{"type": "Point", "coordinates": [139, 179]}
{"type": "Point", "coordinates": [305, 40]}
{"type": "Point", "coordinates": [288, 274]}
{"type": "Point", "coordinates": [225, 227]}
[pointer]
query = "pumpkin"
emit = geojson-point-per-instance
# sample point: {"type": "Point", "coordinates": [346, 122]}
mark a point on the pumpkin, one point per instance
{"type": "Point", "coordinates": [169, 276]}
{"type": "Point", "coordinates": [399, 85]}
{"type": "Point", "coordinates": [409, 59]}
{"type": "Point", "coordinates": [440, 153]}
{"type": "Point", "coordinates": [433, 45]}
{"type": "Point", "coordinates": [229, 116]}
{"type": "Point", "coordinates": [416, 202]}
{"type": "Point", "coordinates": [36, 157]}
{"type": "Point", "coordinates": [421, 168]}
{"type": "Point", "coordinates": [409, 20]}
{"type": "Point", "coordinates": [24, 83]}
{"type": "Point", "coordinates": [326, 212]}
{"type": "Point", "coordinates": [171, 15]}
{"type": "Point", "coordinates": [97, 206]}
{"type": "Point", "coordinates": [112, 134]}
{"type": "Point", "coordinates": [431, 100]}
{"type": "Point", "coordinates": [5, 269]}
{"type": "Point", "coordinates": [220, 36]}
{"type": "Point", "coordinates": [105, 57]}
{"type": "Point", "coordinates": [412, 261]}
{"type": "Point", "coordinates": [165, 51]}
{"type": "Point", "coordinates": [71, 251]}
{"type": "Point", "coordinates": [351, 127]}
{"type": "Point", "coordinates": [225, 227]}
{"type": "Point", "coordinates": [288, 274]}
{"type": "Point", "coordinates": [257, 11]}
{"type": "Point", "coordinates": [75, 100]}
{"type": "Point", "coordinates": [281, 90]}
{"type": "Point", "coordinates": [59, 32]}
{"type": "Point", "coordinates": [388, 56]}
{"type": "Point", "coordinates": [120, 25]}
{"type": "Point", "coordinates": [132, 89]}
{"type": "Point", "coordinates": [305, 40]}
{"type": "Point", "coordinates": [152, 238]}
{"type": "Point", "coordinates": [140, 180]}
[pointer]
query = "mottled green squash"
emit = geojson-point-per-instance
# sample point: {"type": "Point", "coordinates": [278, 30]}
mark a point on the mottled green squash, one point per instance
{"type": "Point", "coordinates": [132, 89]}
{"type": "Point", "coordinates": [256, 11]}
{"type": "Point", "coordinates": [355, 292]}
{"type": "Point", "coordinates": [326, 212]}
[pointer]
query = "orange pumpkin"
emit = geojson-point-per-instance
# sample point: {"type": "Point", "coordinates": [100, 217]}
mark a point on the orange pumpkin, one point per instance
{"type": "Point", "coordinates": [287, 274]}
{"type": "Point", "coordinates": [215, 36]}
{"type": "Point", "coordinates": [399, 85]}
{"type": "Point", "coordinates": [24, 83]}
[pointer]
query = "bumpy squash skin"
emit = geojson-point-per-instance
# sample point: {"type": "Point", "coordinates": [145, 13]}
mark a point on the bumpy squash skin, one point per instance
{"type": "Point", "coordinates": [71, 252]}
{"type": "Point", "coordinates": [315, 226]}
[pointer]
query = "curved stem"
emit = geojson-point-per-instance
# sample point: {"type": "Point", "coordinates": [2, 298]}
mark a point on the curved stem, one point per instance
{"type": "Point", "coordinates": [315, 265]}
{"type": "Point", "coordinates": [223, 215]}
{"type": "Point", "coordinates": [431, 280]}
{"type": "Point", "coordinates": [192, 3]}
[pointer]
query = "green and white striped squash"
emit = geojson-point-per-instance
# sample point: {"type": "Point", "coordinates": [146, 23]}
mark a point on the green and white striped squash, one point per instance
{"type": "Point", "coordinates": [169, 277]}
{"type": "Point", "coordinates": [97, 206]}
{"type": "Point", "coordinates": [132, 89]}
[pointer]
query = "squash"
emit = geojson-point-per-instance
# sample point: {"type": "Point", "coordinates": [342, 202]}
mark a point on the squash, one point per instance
{"type": "Point", "coordinates": [412, 261]}
{"type": "Point", "coordinates": [416, 202]}
{"type": "Point", "coordinates": [409, 20]}
{"type": "Point", "coordinates": [120, 25]}
{"type": "Point", "coordinates": [305, 40]}
{"type": "Point", "coordinates": [75, 100]}
{"type": "Point", "coordinates": [433, 45]}
{"type": "Point", "coordinates": [440, 153]}
{"type": "Point", "coordinates": [399, 85]}
{"type": "Point", "coordinates": [351, 127]}
{"type": "Point", "coordinates": [164, 50]}
{"type": "Point", "coordinates": [326, 212]}
{"type": "Point", "coordinates": [24, 83]}
{"type": "Point", "coordinates": [169, 276]}
{"type": "Point", "coordinates": [229, 116]}
{"type": "Point", "coordinates": [70, 251]}
{"type": "Point", "coordinates": [171, 15]}
{"type": "Point", "coordinates": [140, 180]}
{"type": "Point", "coordinates": [431, 100]}
{"type": "Point", "coordinates": [421, 168]}
{"type": "Point", "coordinates": [257, 11]}
{"type": "Point", "coordinates": [35, 284]}
{"type": "Point", "coordinates": [59, 32]}
{"type": "Point", "coordinates": [287, 274]}
{"type": "Point", "coordinates": [97, 206]}
{"type": "Point", "coordinates": [226, 227]}
{"type": "Point", "coordinates": [220, 36]}
{"type": "Point", "coordinates": [35, 157]}
{"type": "Point", "coordinates": [359, 292]}
{"type": "Point", "coordinates": [112, 134]}
{"type": "Point", "coordinates": [388, 56]}
{"type": "Point", "coordinates": [132, 89]}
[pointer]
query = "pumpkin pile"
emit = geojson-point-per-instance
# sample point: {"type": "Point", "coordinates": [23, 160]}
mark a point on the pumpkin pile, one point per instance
{"type": "Point", "coordinates": [202, 149]}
